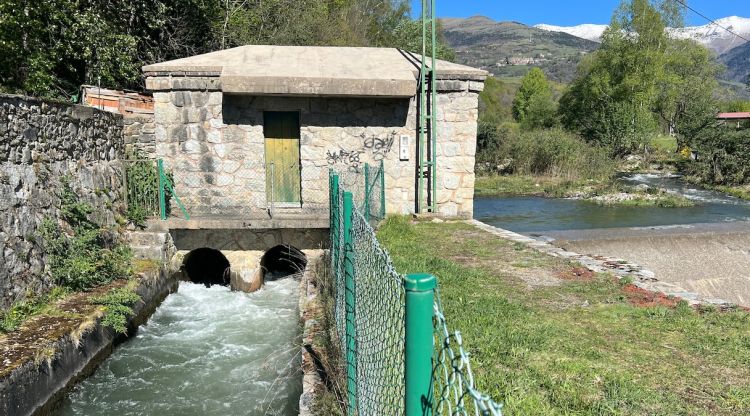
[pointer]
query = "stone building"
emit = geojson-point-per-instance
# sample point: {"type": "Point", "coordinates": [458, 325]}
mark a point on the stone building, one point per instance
{"type": "Point", "coordinates": [253, 126]}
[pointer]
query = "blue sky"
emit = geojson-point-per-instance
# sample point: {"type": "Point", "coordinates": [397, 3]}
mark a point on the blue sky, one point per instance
{"type": "Point", "coordinates": [571, 12]}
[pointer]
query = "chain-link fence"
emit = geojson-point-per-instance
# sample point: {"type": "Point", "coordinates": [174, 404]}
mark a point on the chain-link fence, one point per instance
{"type": "Point", "coordinates": [400, 356]}
{"type": "Point", "coordinates": [246, 190]}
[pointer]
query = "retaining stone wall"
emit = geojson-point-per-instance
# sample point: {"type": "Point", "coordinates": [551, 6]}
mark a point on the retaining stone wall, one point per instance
{"type": "Point", "coordinates": [40, 144]}
{"type": "Point", "coordinates": [214, 145]}
{"type": "Point", "coordinates": [138, 134]}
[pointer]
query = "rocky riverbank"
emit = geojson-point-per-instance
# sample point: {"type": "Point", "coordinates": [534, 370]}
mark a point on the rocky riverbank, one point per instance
{"type": "Point", "coordinates": [609, 193]}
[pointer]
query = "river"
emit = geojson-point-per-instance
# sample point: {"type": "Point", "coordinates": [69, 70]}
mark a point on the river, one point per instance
{"type": "Point", "coordinates": [536, 214]}
{"type": "Point", "coordinates": [205, 351]}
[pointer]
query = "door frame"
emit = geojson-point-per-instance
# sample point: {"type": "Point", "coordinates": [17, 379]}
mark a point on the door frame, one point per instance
{"type": "Point", "coordinates": [269, 193]}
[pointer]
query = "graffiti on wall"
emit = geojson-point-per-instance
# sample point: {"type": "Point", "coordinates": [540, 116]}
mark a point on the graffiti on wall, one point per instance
{"type": "Point", "coordinates": [377, 148]}
{"type": "Point", "coordinates": [351, 159]}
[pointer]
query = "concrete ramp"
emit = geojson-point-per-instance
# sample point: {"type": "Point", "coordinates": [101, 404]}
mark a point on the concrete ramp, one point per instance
{"type": "Point", "coordinates": [713, 260]}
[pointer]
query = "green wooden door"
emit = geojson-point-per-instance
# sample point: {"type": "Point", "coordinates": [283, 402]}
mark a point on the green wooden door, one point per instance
{"type": "Point", "coordinates": [283, 181]}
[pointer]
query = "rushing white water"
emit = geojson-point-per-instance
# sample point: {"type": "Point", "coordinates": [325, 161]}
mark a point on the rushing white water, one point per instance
{"type": "Point", "coordinates": [205, 351]}
{"type": "Point", "coordinates": [672, 183]}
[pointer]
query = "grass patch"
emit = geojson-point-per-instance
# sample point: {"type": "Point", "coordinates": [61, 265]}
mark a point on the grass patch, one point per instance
{"type": "Point", "coordinates": [574, 346]}
{"type": "Point", "coordinates": [145, 265]}
{"type": "Point", "coordinates": [28, 307]}
{"type": "Point", "coordinates": [739, 191]}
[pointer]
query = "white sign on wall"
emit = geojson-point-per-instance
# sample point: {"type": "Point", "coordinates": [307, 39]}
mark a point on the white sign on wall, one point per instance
{"type": "Point", "coordinates": [403, 147]}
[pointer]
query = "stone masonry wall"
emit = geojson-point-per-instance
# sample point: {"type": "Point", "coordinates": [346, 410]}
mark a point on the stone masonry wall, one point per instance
{"type": "Point", "coordinates": [40, 144]}
{"type": "Point", "coordinates": [138, 134]}
{"type": "Point", "coordinates": [214, 145]}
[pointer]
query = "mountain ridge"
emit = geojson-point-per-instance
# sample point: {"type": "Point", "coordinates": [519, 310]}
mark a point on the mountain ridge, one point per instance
{"type": "Point", "coordinates": [511, 48]}
{"type": "Point", "coordinates": [709, 35]}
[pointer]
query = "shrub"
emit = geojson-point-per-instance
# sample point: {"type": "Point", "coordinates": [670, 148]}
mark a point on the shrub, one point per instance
{"type": "Point", "coordinates": [551, 153]}
{"type": "Point", "coordinates": [723, 156]}
{"type": "Point", "coordinates": [117, 307]}
{"type": "Point", "coordinates": [90, 255]}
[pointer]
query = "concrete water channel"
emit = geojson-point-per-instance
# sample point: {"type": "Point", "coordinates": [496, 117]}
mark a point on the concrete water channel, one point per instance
{"type": "Point", "coordinates": [220, 344]}
{"type": "Point", "coordinates": [205, 351]}
{"type": "Point", "coordinates": [703, 248]}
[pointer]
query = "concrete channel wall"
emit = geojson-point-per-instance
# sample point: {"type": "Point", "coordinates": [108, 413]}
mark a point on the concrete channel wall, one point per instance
{"type": "Point", "coordinates": [35, 387]}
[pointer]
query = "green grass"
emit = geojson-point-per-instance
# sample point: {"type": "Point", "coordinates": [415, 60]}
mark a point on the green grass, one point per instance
{"type": "Point", "coordinates": [577, 347]}
{"type": "Point", "coordinates": [12, 318]}
{"type": "Point", "coordinates": [739, 191]}
{"type": "Point", "coordinates": [664, 144]}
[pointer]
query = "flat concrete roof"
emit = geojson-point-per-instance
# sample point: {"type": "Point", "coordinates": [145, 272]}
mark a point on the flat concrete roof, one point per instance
{"type": "Point", "coordinates": [312, 70]}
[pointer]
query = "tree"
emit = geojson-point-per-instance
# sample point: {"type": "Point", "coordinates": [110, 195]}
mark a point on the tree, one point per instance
{"type": "Point", "coordinates": [685, 92]}
{"type": "Point", "coordinates": [639, 80]}
{"type": "Point", "coordinates": [50, 48]}
{"type": "Point", "coordinates": [533, 106]}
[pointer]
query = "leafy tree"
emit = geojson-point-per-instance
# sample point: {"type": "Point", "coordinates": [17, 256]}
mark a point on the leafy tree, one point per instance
{"type": "Point", "coordinates": [685, 92]}
{"type": "Point", "coordinates": [533, 106]}
{"type": "Point", "coordinates": [407, 35]}
{"type": "Point", "coordinates": [735, 106]}
{"type": "Point", "coordinates": [639, 81]}
{"type": "Point", "coordinates": [50, 48]}
{"type": "Point", "coordinates": [495, 101]}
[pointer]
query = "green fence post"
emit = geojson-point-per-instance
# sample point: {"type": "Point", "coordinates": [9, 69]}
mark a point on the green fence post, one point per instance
{"type": "Point", "coordinates": [419, 348]}
{"type": "Point", "coordinates": [330, 199]}
{"type": "Point", "coordinates": [351, 353]}
{"type": "Point", "coordinates": [162, 197]}
{"type": "Point", "coordinates": [366, 203]}
{"type": "Point", "coordinates": [382, 190]}
{"type": "Point", "coordinates": [335, 249]}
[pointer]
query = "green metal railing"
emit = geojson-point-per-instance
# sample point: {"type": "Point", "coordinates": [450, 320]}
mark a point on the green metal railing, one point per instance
{"type": "Point", "coordinates": [149, 189]}
{"type": "Point", "coordinates": [400, 357]}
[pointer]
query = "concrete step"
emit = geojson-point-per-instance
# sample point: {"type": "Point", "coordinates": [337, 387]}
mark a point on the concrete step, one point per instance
{"type": "Point", "coordinates": [148, 252]}
{"type": "Point", "coordinates": [147, 238]}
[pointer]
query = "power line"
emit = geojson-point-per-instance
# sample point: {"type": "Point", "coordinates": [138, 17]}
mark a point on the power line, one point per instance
{"type": "Point", "coordinates": [711, 20]}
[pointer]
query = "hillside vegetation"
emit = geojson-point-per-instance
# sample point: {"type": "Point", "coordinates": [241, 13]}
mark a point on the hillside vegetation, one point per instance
{"type": "Point", "coordinates": [509, 49]}
{"type": "Point", "coordinates": [737, 61]}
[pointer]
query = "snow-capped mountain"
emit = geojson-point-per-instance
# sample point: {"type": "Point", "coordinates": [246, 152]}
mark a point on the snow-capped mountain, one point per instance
{"type": "Point", "coordinates": [713, 36]}
{"type": "Point", "coordinates": [585, 31]}
{"type": "Point", "coordinates": [710, 35]}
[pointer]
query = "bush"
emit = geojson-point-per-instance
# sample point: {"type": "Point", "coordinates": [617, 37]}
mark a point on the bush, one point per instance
{"type": "Point", "coordinates": [723, 156]}
{"type": "Point", "coordinates": [91, 255]}
{"type": "Point", "coordinates": [117, 307]}
{"type": "Point", "coordinates": [546, 152]}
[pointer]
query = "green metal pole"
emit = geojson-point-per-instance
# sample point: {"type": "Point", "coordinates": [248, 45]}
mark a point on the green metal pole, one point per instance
{"type": "Point", "coordinates": [330, 200]}
{"type": "Point", "coordinates": [162, 198]}
{"type": "Point", "coordinates": [350, 299]}
{"type": "Point", "coordinates": [419, 194]}
{"type": "Point", "coordinates": [419, 348]}
{"type": "Point", "coordinates": [433, 111]}
{"type": "Point", "coordinates": [335, 249]}
{"type": "Point", "coordinates": [366, 203]}
{"type": "Point", "coordinates": [382, 190]}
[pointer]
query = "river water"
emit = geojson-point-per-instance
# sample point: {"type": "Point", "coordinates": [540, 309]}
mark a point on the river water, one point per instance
{"type": "Point", "coordinates": [205, 351]}
{"type": "Point", "coordinates": [535, 214]}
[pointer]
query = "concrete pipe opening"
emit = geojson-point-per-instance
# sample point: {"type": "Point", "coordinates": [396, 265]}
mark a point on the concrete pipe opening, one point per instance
{"type": "Point", "coordinates": [281, 261]}
{"type": "Point", "coordinates": [207, 266]}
